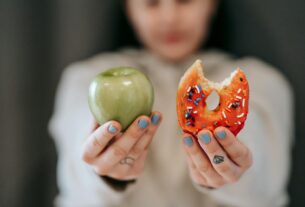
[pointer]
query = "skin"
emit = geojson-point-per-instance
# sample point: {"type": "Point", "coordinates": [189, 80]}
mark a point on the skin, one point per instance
{"type": "Point", "coordinates": [172, 30]}
{"type": "Point", "coordinates": [237, 158]}
{"type": "Point", "coordinates": [104, 150]}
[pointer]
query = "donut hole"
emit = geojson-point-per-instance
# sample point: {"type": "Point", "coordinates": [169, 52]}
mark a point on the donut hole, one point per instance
{"type": "Point", "coordinates": [212, 100]}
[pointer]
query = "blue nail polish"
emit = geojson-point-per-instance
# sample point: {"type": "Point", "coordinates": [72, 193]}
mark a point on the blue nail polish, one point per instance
{"type": "Point", "coordinates": [221, 134]}
{"type": "Point", "coordinates": [142, 123]}
{"type": "Point", "coordinates": [188, 141]}
{"type": "Point", "coordinates": [112, 129]}
{"type": "Point", "coordinates": [155, 119]}
{"type": "Point", "coordinates": [205, 138]}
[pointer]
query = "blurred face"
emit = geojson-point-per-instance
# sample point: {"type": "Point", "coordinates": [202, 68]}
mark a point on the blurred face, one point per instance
{"type": "Point", "coordinates": [172, 29]}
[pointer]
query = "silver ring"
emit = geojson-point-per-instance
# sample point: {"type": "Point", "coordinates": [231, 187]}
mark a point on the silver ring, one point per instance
{"type": "Point", "coordinates": [127, 161]}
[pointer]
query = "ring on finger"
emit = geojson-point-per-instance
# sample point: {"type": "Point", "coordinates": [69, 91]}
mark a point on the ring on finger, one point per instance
{"type": "Point", "coordinates": [127, 161]}
{"type": "Point", "coordinates": [217, 159]}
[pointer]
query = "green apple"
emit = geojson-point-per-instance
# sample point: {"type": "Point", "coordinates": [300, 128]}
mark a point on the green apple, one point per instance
{"type": "Point", "coordinates": [121, 94]}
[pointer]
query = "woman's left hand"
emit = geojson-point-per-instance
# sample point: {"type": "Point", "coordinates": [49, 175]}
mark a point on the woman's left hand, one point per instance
{"type": "Point", "coordinates": [216, 159]}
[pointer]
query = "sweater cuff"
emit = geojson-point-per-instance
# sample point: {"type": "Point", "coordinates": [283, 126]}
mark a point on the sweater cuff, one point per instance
{"type": "Point", "coordinates": [202, 188]}
{"type": "Point", "coordinates": [117, 185]}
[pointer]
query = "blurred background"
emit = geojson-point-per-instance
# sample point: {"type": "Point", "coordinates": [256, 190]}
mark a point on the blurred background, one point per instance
{"type": "Point", "coordinates": [38, 38]}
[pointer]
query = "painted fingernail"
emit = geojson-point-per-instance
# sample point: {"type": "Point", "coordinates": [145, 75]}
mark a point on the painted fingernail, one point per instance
{"type": "Point", "coordinates": [188, 141]}
{"type": "Point", "coordinates": [221, 134]}
{"type": "Point", "coordinates": [205, 138]}
{"type": "Point", "coordinates": [155, 119]}
{"type": "Point", "coordinates": [142, 123]}
{"type": "Point", "coordinates": [112, 129]}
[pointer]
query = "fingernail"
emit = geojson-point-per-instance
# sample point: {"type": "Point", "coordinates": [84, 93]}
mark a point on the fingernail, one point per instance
{"type": "Point", "coordinates": [155, 119]}
{"type": "Point", "coordinates": [205, 138]}
{"type": "Point", "coordinates": [221, 134]}
{"type": "Point", "coordinates": [112, 129]}
{"type": "Point", "coordinates": [142, 123]}
{"type": "Point", "coordinates": [188, 141]}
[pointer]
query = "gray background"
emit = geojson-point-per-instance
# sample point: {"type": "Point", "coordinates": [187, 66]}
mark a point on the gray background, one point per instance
{"type": "Point", "coordinates": [39, 38]}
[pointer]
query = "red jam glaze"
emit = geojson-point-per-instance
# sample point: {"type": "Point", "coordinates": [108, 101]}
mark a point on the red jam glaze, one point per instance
{"type": "Point", "coordinates": [193, 113]}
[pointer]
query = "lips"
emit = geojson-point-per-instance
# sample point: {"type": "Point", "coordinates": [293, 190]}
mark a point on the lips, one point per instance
{"type": "Point", "coordinates": [172, 38]}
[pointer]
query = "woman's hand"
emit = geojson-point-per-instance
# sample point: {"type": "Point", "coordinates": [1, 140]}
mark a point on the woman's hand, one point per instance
{"type": "Point", "coordinates": [120, 155]}
{"type": "Point", "coordinates": [216, 160]}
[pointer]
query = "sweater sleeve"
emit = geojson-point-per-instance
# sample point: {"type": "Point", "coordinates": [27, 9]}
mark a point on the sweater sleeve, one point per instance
{"type": "Point", "coordinates": [269, 134]}
{"type": "Point", "coordinates": [69, 126]}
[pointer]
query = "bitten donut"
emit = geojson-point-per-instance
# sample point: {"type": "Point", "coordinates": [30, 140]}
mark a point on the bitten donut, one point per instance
{"type": "Point", "coordinates": [193, 90]}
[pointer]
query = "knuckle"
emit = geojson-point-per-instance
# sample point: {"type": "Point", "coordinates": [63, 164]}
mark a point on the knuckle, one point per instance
{"type": "Point", "coordinates": [101, 170]}
{"type": "Point", "coordinates": [237, 154]}
{"type": "Point", "coordinates": [213, 149]}
{"type": "Point", "coordinates": [203, 168]}
{"type": "Point", "coordinates": [150, 132]}
{"type": "Point", "coordinates": [95, 141]}
{"type": "Point", "coordinates": [193, 150]}
{"type": "Point", "coordinates": [134, 135]}
{"type": "Point", "coordinates": [229, 144]}
{"type": "Point", "coordinates": [119, 151]}
{"type": "Point", "coordinates": [224, 168]}
{"type": "Point", "coordinates": [145, 149]}
{"type": "Point", "coordinates": [136, 150]}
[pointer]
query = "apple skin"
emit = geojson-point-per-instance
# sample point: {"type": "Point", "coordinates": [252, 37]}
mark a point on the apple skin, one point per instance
{"type": "Point", "coordinates": [121, 94]}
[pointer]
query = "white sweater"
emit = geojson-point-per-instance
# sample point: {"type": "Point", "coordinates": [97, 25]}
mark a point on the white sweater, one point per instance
{"type": "Point", "coordinates": [165, 181]}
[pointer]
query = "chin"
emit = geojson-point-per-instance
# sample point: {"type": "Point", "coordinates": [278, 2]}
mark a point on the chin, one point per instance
{"type": "Point", "coordinates": [176, 55]}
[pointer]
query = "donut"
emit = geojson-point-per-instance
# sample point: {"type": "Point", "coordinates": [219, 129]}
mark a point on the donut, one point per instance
{"type": "Point", "coordinates": [193, 90]}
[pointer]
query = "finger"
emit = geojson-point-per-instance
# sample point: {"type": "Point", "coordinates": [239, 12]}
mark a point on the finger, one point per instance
{"type": "Point", "coordinates": [98, 140]}
{"type": "Point", "coordinates": [194, 173]}
{"type": "Point", "coordinates": [147, 137]}
{"type": "Point", "coordinates": [224, 166]}
{"type": "Point", "coordinates": [120, 148]}
{"type": "Point", "coordinates": [94, 125]}
{"type": "Point", "coordinates": [123, 171]}
{"type": "Point", "coordinates": [236, 150]}
{"type": "Point", "coordinates": [201, 161]}
{"type": "Point", "coordinates": [138, 166]}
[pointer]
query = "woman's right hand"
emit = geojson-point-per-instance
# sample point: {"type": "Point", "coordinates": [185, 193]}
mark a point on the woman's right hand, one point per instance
{"type": "Point", "coordinates": [120, 155]}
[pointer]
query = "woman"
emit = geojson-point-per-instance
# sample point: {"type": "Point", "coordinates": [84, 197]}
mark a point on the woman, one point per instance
{"type": "Point", "coordinates": [145, 166]}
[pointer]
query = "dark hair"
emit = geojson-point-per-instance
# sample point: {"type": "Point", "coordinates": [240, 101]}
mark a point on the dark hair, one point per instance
{"type": "Point", "coordinates": [129, 37]}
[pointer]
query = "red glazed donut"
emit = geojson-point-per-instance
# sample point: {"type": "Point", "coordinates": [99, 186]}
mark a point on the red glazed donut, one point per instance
{"type": "Point", "coordinates": [192, 111]}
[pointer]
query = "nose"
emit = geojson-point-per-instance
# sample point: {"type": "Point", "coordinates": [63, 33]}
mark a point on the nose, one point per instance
{"type": "Point", "coordinates": [169, 13]}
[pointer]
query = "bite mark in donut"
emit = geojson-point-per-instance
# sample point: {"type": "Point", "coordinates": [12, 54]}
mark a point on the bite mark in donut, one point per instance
{"type": "Point", "coordinates": [192, 111]}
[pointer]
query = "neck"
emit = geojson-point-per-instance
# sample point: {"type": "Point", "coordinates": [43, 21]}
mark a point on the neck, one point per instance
{"type": "Point", "coordinates": [187, 59]}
